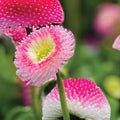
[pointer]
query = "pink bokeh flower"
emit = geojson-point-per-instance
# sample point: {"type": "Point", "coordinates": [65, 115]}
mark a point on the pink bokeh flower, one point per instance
{"type": "Point", "coordinates": [116, 43]}
{"type": "Point", "coordinates": [40, 55]}
{"type": "Point", "coordinates": [107, 18]}
{"type": "Point", "coordinates": [16, 34]}
{"type": "Point", "coordinates": [26, 94]}
{"type": "Point", "coordinates": [85, 100]}
{"type": "Point", "coordinates": [26, 13]}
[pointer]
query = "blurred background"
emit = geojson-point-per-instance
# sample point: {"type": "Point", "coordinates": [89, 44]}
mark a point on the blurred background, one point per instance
{"type": "Point", "coordinates": [95, 24]}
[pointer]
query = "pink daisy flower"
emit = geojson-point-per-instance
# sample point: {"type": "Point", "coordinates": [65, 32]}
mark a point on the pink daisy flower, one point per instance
{"type": "Point", "coordinates": [40, 55]}
{"type": "Point", "coordinates": [16, 34]}
{"type": "Point", "coordinates": [15, 13]}
{"type": "Point", "coordinates": [107, 18]}
{"type": "Point", "coordinates": [116, 43]}
{"type": "Point", "coordinates": [85, 102]}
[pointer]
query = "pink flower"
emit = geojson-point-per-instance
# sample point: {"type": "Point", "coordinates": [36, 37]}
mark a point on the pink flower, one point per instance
{"type": "Point", "coordinates": [107, 18]}
{"type": "Point", "coordinates": [40, 55]}
{"type": "Point", "coordinates": [116, 44]}
{"type": "Point", "coordinates": [85, 100]}
{"type": "Point", "coordinates": [27, 13]}
{"type": "Point", "coordinates": [16, 34]}
{"type": "Point", "coordinates": [26, 94]}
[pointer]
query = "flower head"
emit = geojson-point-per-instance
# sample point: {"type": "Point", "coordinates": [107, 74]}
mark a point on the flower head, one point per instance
{"type": "Point", "coordinates": [85, 100]}
{"type": "Point", "coordinates": [40, 55]}
{"type": "Point", "coordinates": [107, 18]}
{"type": "Point", "coordinates": [116, 44]}
{"type": "Point", "coordinates": [27, 13]}
{"type": "Point", "coordinates": [16, 34]}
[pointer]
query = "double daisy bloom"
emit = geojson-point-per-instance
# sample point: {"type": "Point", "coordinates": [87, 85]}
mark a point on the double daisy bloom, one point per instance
{"type": "Point", "coordinates": [40, 55]}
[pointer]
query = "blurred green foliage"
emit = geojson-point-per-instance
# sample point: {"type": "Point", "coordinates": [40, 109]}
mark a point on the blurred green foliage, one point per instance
{"type": "Point", "coordinates": [88, 62]}
{"type": "Point", "coordinates": [20, 113]}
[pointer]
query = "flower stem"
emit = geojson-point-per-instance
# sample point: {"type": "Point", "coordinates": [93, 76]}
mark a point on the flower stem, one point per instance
{"type": "Point", "coordinates": [64, 106]}
{"type": "Point", "coordinates": [36, 104]}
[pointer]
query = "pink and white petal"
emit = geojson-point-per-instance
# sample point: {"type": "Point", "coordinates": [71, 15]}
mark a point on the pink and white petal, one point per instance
{"type": "Point", "coordinates": [85, 100]}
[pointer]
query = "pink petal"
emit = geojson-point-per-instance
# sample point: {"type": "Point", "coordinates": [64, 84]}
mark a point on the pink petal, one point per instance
{"type": "Point", "coordinates": [116, 43]}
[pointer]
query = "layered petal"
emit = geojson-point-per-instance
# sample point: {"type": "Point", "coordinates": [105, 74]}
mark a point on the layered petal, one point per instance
{"type": "Point", "coordinates": [85, 101]}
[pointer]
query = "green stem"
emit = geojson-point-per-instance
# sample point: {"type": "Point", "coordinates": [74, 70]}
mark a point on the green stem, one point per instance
{"type": "Point", "coordinates": [64, 106]}
{"type": "Point", "coordinates": [36, 104]}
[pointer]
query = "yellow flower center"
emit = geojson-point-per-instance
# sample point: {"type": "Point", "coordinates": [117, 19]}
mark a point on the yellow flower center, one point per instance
{"type": "Point", "coordinates": [43, 51]}
{"type": "Point", "coordinates": [41, 48]}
